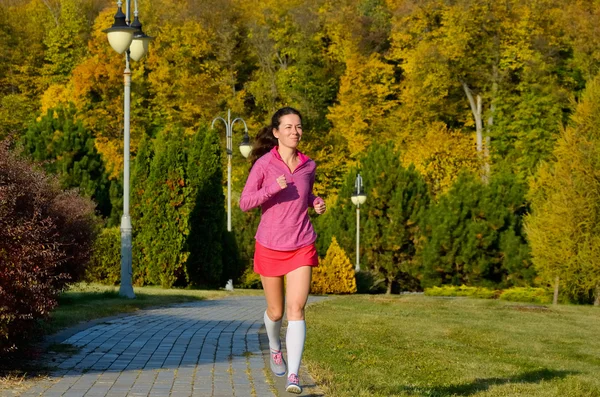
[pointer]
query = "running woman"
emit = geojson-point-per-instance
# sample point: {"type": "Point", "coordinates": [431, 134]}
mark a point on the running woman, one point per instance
{"type": "Point", "coordinates": [281, 182]}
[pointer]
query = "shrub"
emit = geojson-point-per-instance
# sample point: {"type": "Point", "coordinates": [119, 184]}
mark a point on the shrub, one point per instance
{"type": "Point", "coordinates": [463, 290]}
{"type": "Point", "coordinates": [250, 279]}
{"type": "Point", "coordinates": [533, 295]}
{"type": "Point", "coordinates": [368, 282]}
{"type": "Point", "coordinates": [105, 263]}
{"type": "Point", "coordinates": [515, 294]}
{"type": "Point", "coordinates": [46, 236]}
{"type": "Point", "coordinates": [335, 275]}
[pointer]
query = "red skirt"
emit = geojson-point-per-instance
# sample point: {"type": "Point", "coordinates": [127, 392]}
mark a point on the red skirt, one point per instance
{"type": "Point", "coordinates": [271, 263]}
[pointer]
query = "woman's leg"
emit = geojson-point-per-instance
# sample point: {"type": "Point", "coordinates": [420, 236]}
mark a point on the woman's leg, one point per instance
{"type": "Point", "coordinates": [297, 289]}
{"type": "Point", "coordinates": [273, 287]}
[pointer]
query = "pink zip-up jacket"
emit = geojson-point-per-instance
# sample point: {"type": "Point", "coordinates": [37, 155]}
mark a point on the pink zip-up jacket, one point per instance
{"type": "Point", "coordinates": [284, 224]}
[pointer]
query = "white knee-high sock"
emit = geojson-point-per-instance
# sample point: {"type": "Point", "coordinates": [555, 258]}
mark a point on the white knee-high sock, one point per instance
{"type": "Point", "coordinates": [294, 340]}
{"type": "Point", "coordinates": [273, 332]}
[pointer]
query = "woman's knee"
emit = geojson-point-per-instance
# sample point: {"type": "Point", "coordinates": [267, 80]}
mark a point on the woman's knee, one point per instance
{"type": "Point", "coordinates": [295, 311]}
{"type": "Point", "coordinates": [275, 313]}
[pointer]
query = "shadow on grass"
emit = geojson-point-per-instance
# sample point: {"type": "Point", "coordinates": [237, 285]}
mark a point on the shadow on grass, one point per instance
{"type": "Point", "coordinates": [480, 385]}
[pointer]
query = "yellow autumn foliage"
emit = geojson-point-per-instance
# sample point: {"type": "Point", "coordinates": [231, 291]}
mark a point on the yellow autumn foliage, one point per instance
{"type": "Point", "coordinates": [440, 155]}
{"type": "Point", "coordinates": [335, 274]}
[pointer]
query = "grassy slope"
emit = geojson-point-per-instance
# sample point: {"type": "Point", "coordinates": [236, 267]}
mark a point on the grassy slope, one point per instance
{"type": "Point", "coordinates": [427, 346]}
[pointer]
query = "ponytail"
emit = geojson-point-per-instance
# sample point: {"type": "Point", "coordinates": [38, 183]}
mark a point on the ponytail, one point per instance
{"type": "Point", "coordinates": [265, 141]}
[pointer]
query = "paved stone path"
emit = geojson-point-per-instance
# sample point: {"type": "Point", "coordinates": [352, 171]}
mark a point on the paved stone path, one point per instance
{"type": "Point", "coordinates": [204, 348]}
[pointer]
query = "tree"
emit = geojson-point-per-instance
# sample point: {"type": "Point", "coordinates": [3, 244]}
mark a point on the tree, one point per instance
{"type": "Point", "coordinates": [368, 93]}
{"type": "Point", "coordinates": [475, 236]}
{"type": "Point", "coordinates": [67, 149]}
{"type": "Point", "coordinates": [167, 202]}
{"type": "Point", "coordinates": [23, 26]}
{"type": "Point", "coordinates": [441, 155]}
{"type": "Point", "coordinates": [207, 238]}
{"type": "Point", "coordinates": [479, 51]}
{"type": "Point", "coordinates": [563, 224]}
{"type": "Point", "coordinates": [65, 42]}
{"type": "Point", "coordinates": [141, 210]}
{"type": "Point", "coordinates": [397, 197]}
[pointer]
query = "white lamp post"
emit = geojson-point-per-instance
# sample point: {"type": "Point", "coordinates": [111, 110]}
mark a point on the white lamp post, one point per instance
{"type": "Point", "coordinates": [245, 149]}
{"type": "Point", "coordinates": [359, 197]}
{"type": "Point", "coordinates": [126, 37]}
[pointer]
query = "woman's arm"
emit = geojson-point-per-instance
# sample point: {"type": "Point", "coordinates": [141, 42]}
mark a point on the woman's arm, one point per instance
{"type": "Point", "coordinates": [311, 196]}
{"type": "Point", "coordinates": [254, 193]}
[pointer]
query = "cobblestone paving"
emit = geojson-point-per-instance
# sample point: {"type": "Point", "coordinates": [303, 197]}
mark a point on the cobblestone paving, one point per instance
{"type": "Point", "coordinates": [205, 348]}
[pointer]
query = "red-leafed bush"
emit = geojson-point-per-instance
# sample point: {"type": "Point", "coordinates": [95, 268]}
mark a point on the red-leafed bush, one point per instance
{"type": "Point", "coordinates": [46, 236]}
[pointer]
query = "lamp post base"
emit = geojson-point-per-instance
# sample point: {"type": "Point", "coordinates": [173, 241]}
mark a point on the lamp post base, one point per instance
{"type": "Point", "coordinates": [126, 289]}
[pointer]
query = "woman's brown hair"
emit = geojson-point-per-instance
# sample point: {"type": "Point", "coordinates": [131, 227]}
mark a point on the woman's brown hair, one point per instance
{"type": "Point", "coordinates": [265, 140]}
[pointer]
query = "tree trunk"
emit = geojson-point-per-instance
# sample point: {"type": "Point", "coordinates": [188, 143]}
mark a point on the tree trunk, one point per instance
{"type": "Point", "coordinates": [389, 287]}
{"type": "Point", "coordinates": [555, 298]}
{"type": "Point", "coordinates": [476, 109]}
{"type": "Point", "coordinates": [490, 124]}
{"type": "Point", "coordinates": [597, 296]}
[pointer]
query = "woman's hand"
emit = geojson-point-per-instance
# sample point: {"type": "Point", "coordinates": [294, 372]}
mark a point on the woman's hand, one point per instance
{"type": "Point", "coordinates": [282, 182]}
{"type": "Point", "coordinates": [319, 205]}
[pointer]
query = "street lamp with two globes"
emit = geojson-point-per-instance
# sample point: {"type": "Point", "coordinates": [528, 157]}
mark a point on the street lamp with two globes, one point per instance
{"type": "Point", "coordinates": [126, 36]}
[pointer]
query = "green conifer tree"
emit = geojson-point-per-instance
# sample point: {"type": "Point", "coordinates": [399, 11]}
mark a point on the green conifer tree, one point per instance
{"type": "Point", "coordinates": [475, 235]}
{"type": "Point", "coordinates": [207, 219]}
{"type": "Point", "coordinates": [141, 208]}
{"type": "Point", "coordinates": [167, 202]}
{"type": "Point", "coordinates": [397, 199]}
{"type": "Point", "coordinates": [67, 149]}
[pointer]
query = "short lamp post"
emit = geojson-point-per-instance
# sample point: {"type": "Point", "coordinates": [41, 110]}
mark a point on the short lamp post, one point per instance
{"type": "Point", "coordinates": [245, 149]}
{"type": "Point", "coordinates": [358, 197]}
{"type": "Point", "coordinates": [127, 37]}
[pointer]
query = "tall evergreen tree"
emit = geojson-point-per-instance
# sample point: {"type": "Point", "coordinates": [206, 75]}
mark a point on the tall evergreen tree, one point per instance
{"type": "Point", "coordinates": [167, 201]}
{"type": "Point", "coordinates": [391, 218]}
{"type": "Point", "coordinates": [141, 208]}
{"type": "Point", "coordinates": [67, 149]}
{"type": "Point", "coordinates": [207, 219]}
{"type": "Point", "coordinates": [397, 199]}
{"type": "Point", "coordinates": [475, 235]}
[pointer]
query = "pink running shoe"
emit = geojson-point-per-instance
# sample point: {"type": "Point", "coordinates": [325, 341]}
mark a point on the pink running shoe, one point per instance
{"type": "Point", "coordinates": [293, 384]}
{"type": "Point", "coordinates": [277, 363]}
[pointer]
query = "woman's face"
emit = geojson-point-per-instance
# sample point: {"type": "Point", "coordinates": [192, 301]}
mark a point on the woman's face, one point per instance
{"type": "Point", "coordinates": [289, 131]}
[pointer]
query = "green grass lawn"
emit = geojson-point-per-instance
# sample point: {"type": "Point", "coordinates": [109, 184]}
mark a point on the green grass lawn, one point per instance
{"type": "Point", "coordinates": [430, 346]}
{"type": "Point", "coordinates": [84, 302]}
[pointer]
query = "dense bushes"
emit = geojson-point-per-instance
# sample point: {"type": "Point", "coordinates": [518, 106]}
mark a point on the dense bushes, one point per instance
{"type": "Point", "coordinates": [46, 236]}
{"type": "Point", "coordinates": [463, 290]}
{"type": "Point", "coordinates": [105, 263]}
{"type": "Point", "coordinates": [516, 294]}
{"type": "Point", "coordinates": [527, 294]}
